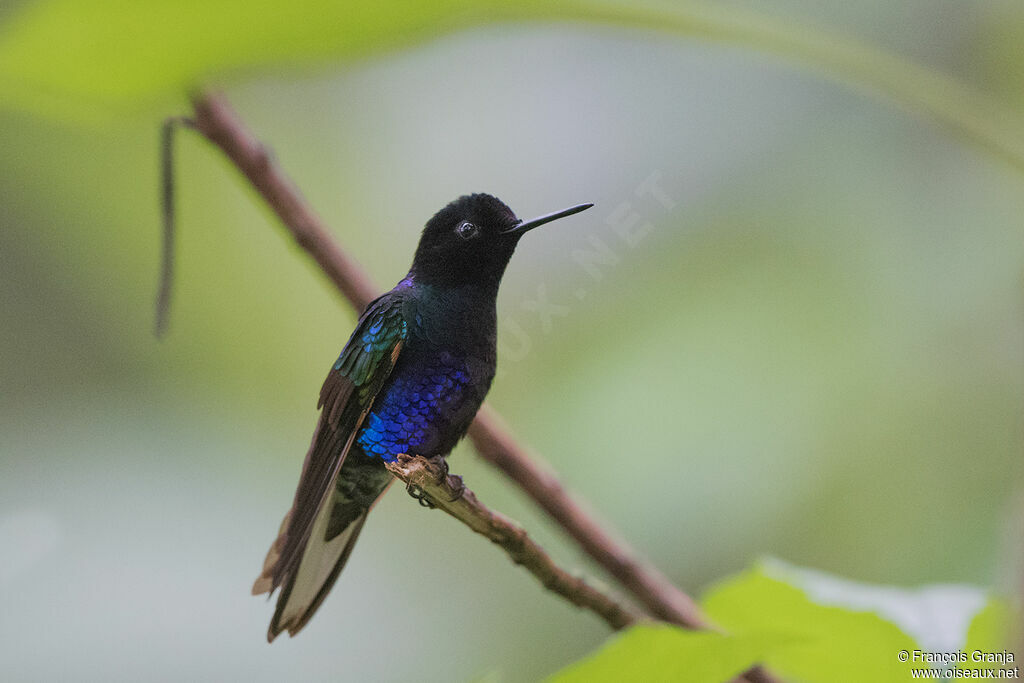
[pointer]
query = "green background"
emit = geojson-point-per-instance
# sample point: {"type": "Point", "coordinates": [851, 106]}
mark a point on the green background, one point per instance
{"type": "Point", "coordinates": [815, 353]}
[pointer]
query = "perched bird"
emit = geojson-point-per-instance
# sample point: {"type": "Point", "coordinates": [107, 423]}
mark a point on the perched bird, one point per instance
{"type": "Point", "coordinates": [409, 380]}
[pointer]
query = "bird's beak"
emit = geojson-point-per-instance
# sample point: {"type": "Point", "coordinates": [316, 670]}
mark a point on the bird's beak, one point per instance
{"type": "Point", "coordinates": [525, 226]}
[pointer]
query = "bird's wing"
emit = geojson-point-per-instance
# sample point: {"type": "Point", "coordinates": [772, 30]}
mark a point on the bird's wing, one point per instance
{"type": "Point", "coordinates": [346, 397]}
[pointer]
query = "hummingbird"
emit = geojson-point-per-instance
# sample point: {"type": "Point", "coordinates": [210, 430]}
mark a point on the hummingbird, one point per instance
{"type": "Point", "coordinates": [410, 380]}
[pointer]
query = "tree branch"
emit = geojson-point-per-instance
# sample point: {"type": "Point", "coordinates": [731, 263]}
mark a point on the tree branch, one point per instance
{"type": "Point", "coordinates": [216, 120]}
{"type": "Point", "coordinates": [430, 480]}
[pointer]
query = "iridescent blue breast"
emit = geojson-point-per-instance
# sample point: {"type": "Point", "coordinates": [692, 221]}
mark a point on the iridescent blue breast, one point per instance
{"type": "Point", "coordinates": [418, 410]}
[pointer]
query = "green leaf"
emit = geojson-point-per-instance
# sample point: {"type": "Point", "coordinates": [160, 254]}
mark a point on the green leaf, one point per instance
{"type": "Point", "coordinates": [109, 53]}
{"type": "Point", "coordinates": [988, 633]}
{"type": "Point", "coordinates": [831, 644]}
{"type": "Point", "coordinates": [805, 625]}
{"type": "Point", "coordinates": [989, 628]}
{"type": "Point", "coordinates": [937, 617]}
{"type": "Point", "coordinates": [657, 652]}
{"type": "Point", "coordinates": [76, 58]}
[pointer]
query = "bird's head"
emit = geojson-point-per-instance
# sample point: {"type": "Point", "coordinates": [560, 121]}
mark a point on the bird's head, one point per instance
{"type": "Point", "coordinates": [471, 240]}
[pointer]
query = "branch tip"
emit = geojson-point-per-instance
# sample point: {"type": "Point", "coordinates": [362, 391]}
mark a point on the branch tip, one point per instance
{"type": "Point", "coordinates": [448, 493]}
{"type": "Point", "coordinates": [163, 296]}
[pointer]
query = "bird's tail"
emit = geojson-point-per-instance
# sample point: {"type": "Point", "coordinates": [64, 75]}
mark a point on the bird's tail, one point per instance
{"type": "Point", "coordinates": [360, 483]}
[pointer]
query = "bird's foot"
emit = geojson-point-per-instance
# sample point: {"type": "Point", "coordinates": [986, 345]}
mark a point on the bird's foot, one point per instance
{"type": "Point", "coordinates": [458, 487]}
{"type": "Point", "coordinates": [454, 481]}
{"type": "Point", "coordinates": [419, 495]}
{"type": "Point", "coordinates": [438, 467]}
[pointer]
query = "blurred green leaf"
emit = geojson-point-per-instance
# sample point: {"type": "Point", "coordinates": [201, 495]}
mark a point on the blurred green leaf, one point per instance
{"type": "Point", "coordinates": [937, 616]}
{"type": "Point", "coordinates": [657, 652]}
{"type": "Point", "coordinates": [987, 634]}
{"type": "Point", "coordinates": [988, 629]}
{"type": "Point", "coordinates": [72, 57]}
{"type": "Point", "coordinates": [832, 644]}
{"type": "Point", "coordinates": [113, 53]}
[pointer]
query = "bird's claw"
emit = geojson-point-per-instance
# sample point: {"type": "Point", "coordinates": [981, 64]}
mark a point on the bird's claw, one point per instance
{"type": "Point", "coordinates": [455, 481]}
{"type": "Point", "coordinates": [419, 495]}
{"type": "Point", "coordinates": [440, 466]}
{"type": "Point", "coordinates": [442, 478]}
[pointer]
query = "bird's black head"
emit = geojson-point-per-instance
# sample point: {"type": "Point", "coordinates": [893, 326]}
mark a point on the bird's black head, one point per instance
{"type": "Point", "coordinates": [471, 240]}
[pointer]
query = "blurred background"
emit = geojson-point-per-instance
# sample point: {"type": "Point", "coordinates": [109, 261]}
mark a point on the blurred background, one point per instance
{"type": "Point", "coordinates": [808, 343]}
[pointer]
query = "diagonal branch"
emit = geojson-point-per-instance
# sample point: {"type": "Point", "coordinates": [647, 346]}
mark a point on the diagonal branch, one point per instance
{"type": "Point", "coordinates": [432, 484]}
{"type": "Point", "coordinates": [216, 120]}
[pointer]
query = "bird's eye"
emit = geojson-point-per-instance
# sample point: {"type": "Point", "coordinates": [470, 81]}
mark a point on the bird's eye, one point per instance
{"type": "Point", "coordinates": [467, 230]}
